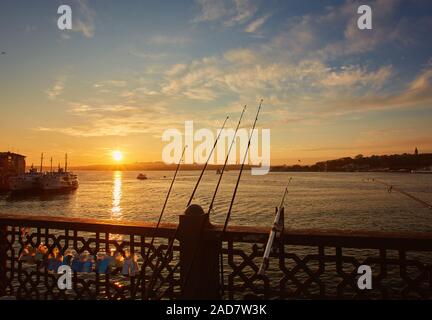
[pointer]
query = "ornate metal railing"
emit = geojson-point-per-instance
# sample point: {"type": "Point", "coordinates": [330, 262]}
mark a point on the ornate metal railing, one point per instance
{"type": "Point", "coordinates": [303, 264]}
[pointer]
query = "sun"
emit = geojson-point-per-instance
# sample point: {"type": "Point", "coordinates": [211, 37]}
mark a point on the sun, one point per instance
{"type": "Point", "coordinates": [117, 155]}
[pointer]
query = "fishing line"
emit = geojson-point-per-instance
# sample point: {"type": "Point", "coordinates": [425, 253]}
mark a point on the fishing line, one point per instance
{"type": "Point", "coordinates": [206, 163]}
{"type": "Point", "coordinates": [160, 266]}
{"type": "Point", "coordinates": [231, 204]}
{"type": "Point", "coordinates": [241, 170]}
{"type": "Point", "coordinates": [160, 215]}
{"type": "Point", "coordinates": [226, 161]}
{"type": "Point", "coordinates": [391, 188]}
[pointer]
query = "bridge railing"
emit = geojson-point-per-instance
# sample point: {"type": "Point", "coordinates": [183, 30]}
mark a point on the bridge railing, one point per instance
{"type": "Point", "coordinates": [303, 263]}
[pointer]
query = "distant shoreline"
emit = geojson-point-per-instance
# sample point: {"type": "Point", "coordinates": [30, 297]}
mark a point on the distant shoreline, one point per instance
{"type": "Point", "coordinates": [397, 163]}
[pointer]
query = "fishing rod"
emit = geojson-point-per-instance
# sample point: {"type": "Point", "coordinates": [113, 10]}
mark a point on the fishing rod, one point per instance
{"type": "Point", "coordinates": [241, 170]}
{"type": "Point", "coordinates": [220, 177]}
{"type": "Point", "coordinates": [228, 216]}
{"type": "Point", "coordinates": [391, 188]}
{"type": "Point", "coordinates": [275, 229]}
{"type": "Point", "coordinates": [226, 161]}
{"type": "Point", "coordinates": [160, 216]}
{"type": "Point", "coordinates": [231, 204]}
{"type": "Point", "coordinates": [171, 243]}
{"type": "Point", "coordinates": [206, 163]}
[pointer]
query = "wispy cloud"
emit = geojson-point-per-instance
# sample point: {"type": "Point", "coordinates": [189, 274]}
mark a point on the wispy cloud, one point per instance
{"type": "Point", "coordinates": [84, 21]}
{"type": "Point", "coordinates": [333, 33]}
{"type": "Point", "coordinates": [110, 83]}
{"type": "Point", "coordinates": [148, 55]}
{"type": "Point", "coordinates": [170, 40]}
{"type": "Point", "coordinates": [255, 25]}
{"type": "Point", "coordinates": [227, 12]}
{"type": "Point", "coordinates": [57, 88]}
{"type": "Point", "coordinates": [101, 120]}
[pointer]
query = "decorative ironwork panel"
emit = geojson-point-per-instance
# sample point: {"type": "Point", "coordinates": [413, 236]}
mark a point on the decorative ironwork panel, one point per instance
{"type": "Point", "coordinates": [107, 260]}
{"type": "Point", "coordinates": [32, 255]}
{"type": "Point", "coordinates": [310, 265]}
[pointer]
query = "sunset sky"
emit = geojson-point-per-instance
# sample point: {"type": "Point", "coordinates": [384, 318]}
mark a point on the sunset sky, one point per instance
{"type": "Point", "coordinates": [131, 69]}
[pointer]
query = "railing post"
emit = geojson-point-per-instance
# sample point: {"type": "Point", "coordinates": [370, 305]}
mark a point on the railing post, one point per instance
{"type": "Point", "coordinates": [199, 256]}
{"type": "Point", "coordinates": [3, 259]}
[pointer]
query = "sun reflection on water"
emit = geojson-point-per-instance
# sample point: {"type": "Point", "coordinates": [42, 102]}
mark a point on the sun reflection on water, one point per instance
{"type": "Point", "coordinates": [117, 195]}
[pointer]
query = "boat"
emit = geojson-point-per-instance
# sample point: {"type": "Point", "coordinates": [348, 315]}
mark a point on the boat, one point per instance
{"type": "Point", "coordinates": [60, 181]}
{"type": "Point", "coordinates": [142, 176]}
{"type": "Point", "coordinates": [28, 181]}
{"type": "Point", "coordinates": [218, 171]}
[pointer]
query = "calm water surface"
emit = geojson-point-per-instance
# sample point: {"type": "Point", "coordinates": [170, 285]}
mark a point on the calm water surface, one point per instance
{"type": "Point", "coordinates": [315, 200]}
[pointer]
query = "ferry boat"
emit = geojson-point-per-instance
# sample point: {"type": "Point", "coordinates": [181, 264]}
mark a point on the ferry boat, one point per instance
{"type": "Point", "coordinates": [28, 181]}
{"type": "Point", "coordinates": [59, 181]}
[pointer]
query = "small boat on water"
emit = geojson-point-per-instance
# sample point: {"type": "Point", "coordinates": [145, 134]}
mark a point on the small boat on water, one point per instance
{"type": "Point", "coordinates": [142, 176]}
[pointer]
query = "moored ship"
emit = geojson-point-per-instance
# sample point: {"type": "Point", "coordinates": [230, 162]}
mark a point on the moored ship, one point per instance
{"type": "Point", "coordinates": [60, 181]}
{"type": "Point", "coordinates": [28, 181]}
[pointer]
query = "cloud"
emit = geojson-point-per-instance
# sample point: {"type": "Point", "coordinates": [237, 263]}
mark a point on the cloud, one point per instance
{"type": "Point", "coordinates": [211, 10]}
{"type": "Point", "coordinates": [257, 24]}
{"type": "Point", "coordinates": [176, 69]}
{"type": "Point", "coordinates": [241, 56]}
{"type": "Point", "coordinates": [169, 40]}
{"type": "Point", "coordinates": [354, 75]}
{"type": "Point", "coordinates": [100, 120]}
{"type": "Point", "coordinates": [57, 88]}
{"type": "Point", "coordinates": [334, 33]}
{"type": "Point", "coordinates": [84, 23]}
{"type": "Point", "coordinates": [295, 72]}
{"type": "Point", "coordinates": [95, 110]}
{"type": "Point", "coordinates": [147, 55]}
{"type": "Point", "coordinates": [227, 12]}
{"type": "Point", "coordinates": [110, 83]}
